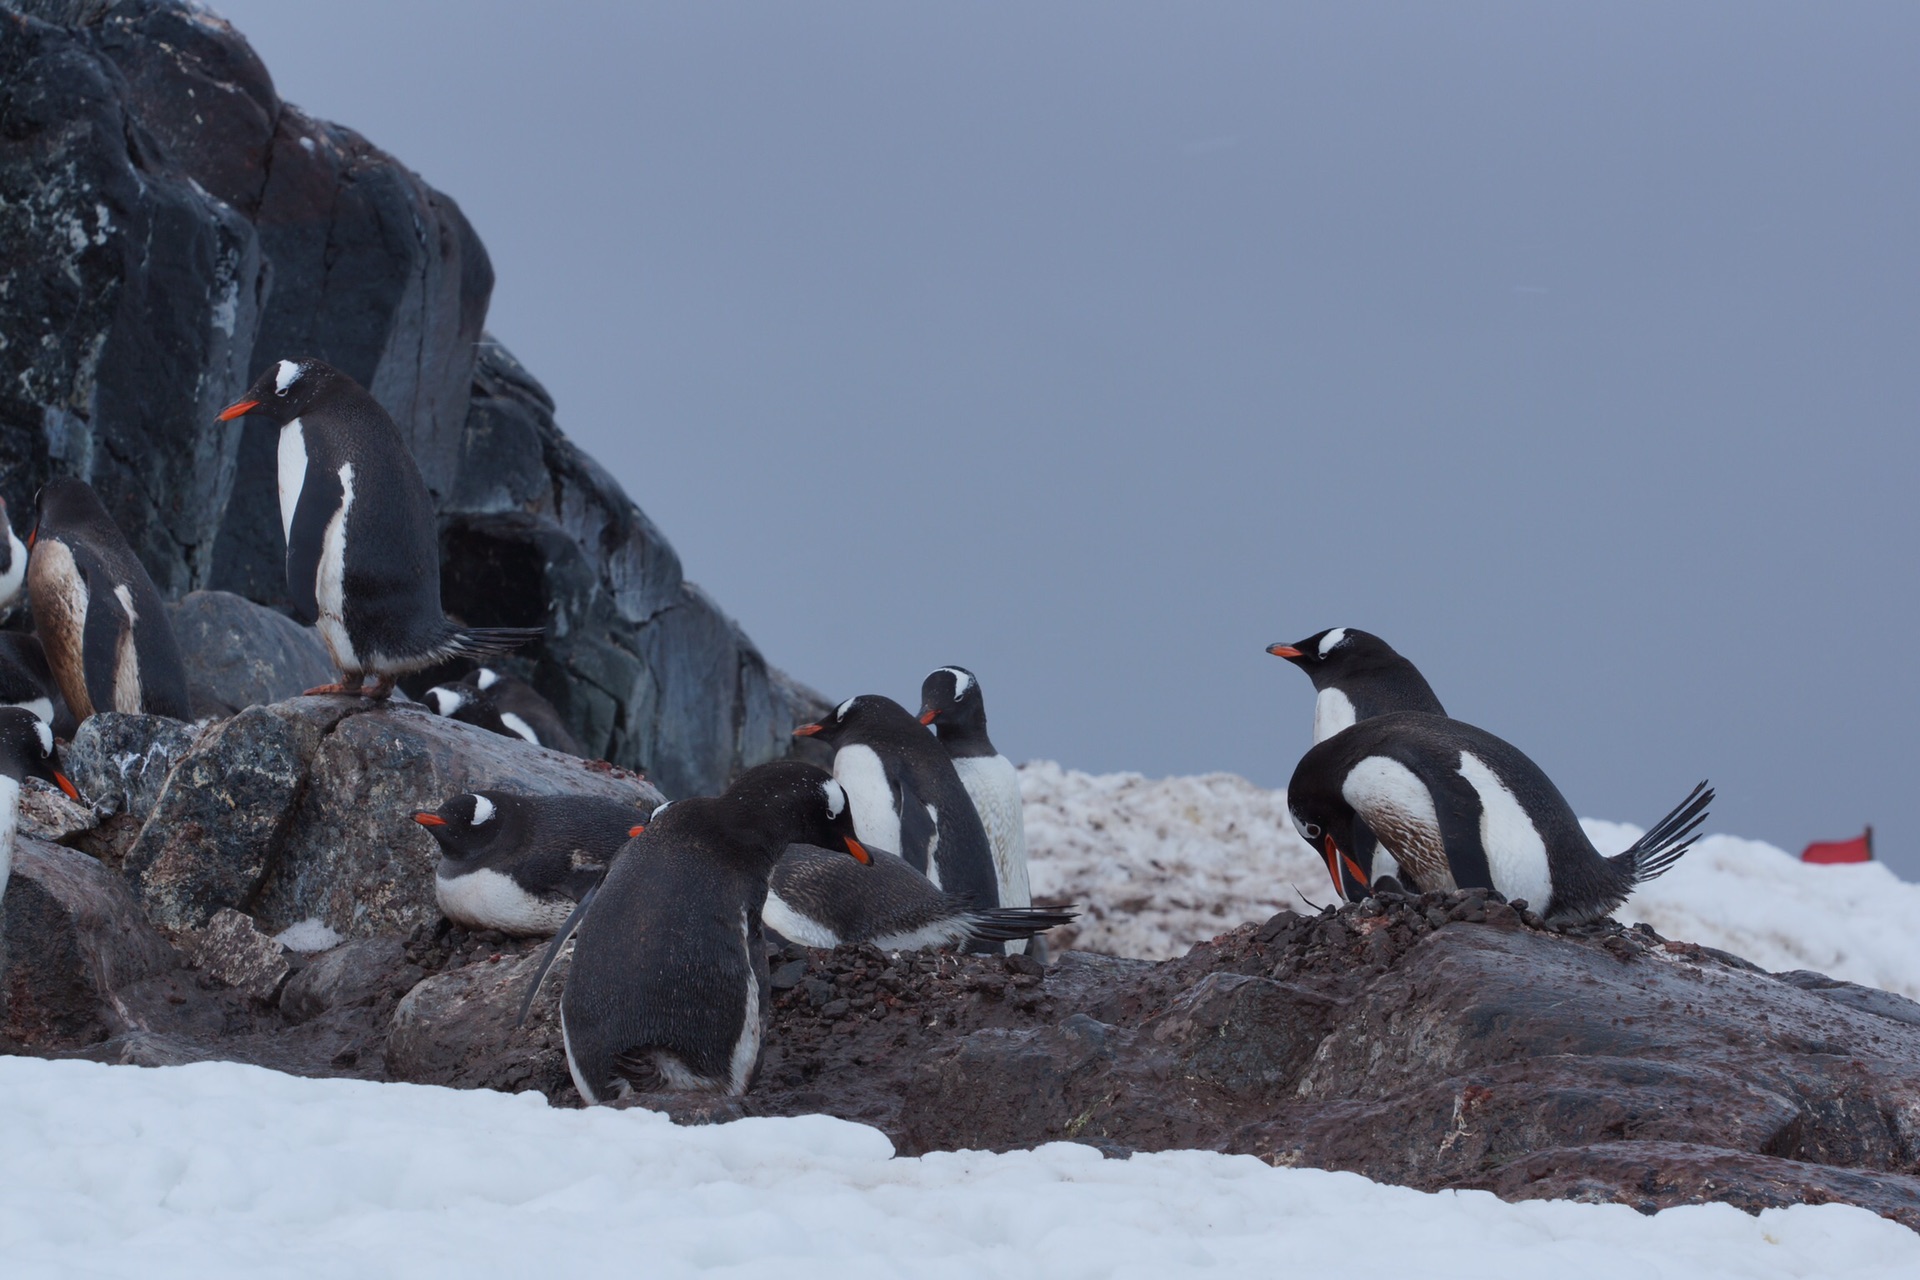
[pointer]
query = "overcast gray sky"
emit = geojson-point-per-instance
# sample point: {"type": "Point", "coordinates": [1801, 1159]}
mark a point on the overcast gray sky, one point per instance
{"type": "Point", "coordinates": [1095, 346]}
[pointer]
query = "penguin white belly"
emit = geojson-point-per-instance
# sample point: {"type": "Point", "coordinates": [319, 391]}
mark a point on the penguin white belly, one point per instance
{"type": "Point", "coordinates": [794, 927]}
{"type": "Point", "coordinates": [994, 785]}
{"type": "Point", "coordinates": [9, 822]}
{"type": "Point", "coordinates": [1332, 712]}
{"type": "Point", "coordinates": [329, 588]}
{"type": "Point", "coordinates": [1516, 855]}
{"type": "Point", "coordinates": [292, 459]}
{"type": "Point", "coordinates": [858, 770]}
{"type": "Point", "coordinates": [746, 1050]}
{"type": "Point", "coordinates": [1400, 809]}
{"type": "Point", "coordinates": [486, 899]}
{"type": "Point", "coordinates": [16, 574]}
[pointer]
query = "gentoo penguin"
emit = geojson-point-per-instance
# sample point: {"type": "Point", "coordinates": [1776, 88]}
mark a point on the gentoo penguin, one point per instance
{"type": "Point", "coordinates": [1356, 675]}
{"type": "Point", "coordinates": [26, 751]}
{"type": "Point", "coordinates": [26, 681]}
{"type": "Point", "coordinates": [519, 864]}
{"type": "Point", "coordinates": [504, 705]}
{"type": "Point", "coordinates": [670, 969]}
{"type": "Point", "coordinates": [363, 552]}
{"type": "Point", "coordinates": [103, 626]}
{"type": "Point", "coordinates": [13, 561]}
{"type": "Point", "coordinates": [951, 701]}
{"type": "Point", "coordinates": [906, 795]}
{"type": "Point", "coordinates": [819, 899]}
{"type": "Point", "coordinates": [1459, 808]}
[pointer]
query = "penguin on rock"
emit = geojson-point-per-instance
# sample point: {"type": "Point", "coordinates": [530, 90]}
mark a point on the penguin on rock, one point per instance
{"type": "Point", "coordinates": [102, 624]}
{"type": "Point", "coordinates": [26, 751]}
{"type": "Point", "coordinates": [669, 977]}
{"type": "Point", "coordinates": [1460, 809]}
{"type": "Point", "coordinates": [26, 681]}
{"type": "Point", "coordinates": [818, 898]}
{"type": "Point", "coordinates": [1356, 675]}
{"type": "Point", "coordinates": [952, 702]}
{"type": "Point", "coordinates": [363, 551]}
{"type": "Point", "coordinates": [907, 797]}
{"type": "Point", "coordinates": [504, 705]}
{"type": "Point", "coordinates": [520, 864]}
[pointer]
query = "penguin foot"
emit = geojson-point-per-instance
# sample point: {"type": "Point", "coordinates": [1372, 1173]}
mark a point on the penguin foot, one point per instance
{"type": "Point", "coordinates": [380, 689]}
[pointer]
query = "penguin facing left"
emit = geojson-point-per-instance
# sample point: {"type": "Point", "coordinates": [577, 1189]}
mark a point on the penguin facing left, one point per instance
{"type": "Point", "coordinates": [363, 547]}
{"type": "Point", "coordinates": [520, 864]}
{"type": "Point", "coordinates": [669, 972]}
{"type": "Point", "coordinates": [1461, 809]}
{"type": "Point", "coordinates": [952, 702]}
{"type": "Point", "coordinates": [102, 624]}
{"type": "Point", "coordinates": [1356, 675]}
{"type": "Point", "coordinates": [504, 705]}
{"type": "Point", "coordinates": [26, 751]}
{"type": "Point", "coordinates": [906, 795]}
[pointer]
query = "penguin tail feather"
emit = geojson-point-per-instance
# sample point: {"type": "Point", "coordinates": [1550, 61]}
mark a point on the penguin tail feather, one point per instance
{"type": "Point", "coordinates": [488, 642]}
{"type": "Point", "coordinates": [1670, 838]}
{"type": "Point", "coordinates": [1012, 924]}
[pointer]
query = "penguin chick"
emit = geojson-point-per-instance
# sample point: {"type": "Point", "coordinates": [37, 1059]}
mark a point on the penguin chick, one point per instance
{"type": "Point", "coordinates": [952, 702]}
{"type": "Point", "coordinates": [1460, 809]}
{"type": "Point", "coordinates": [363, 549]}
{"type": "Point", "coordinates": [1356, 675]}
{"type": "Point", "coordinates": [100, 620]}
{"type": "Point", "coordinates": [26, 751]}
{"type": "Point", "coordinates": [519, 864]}
{"type": "Point", "coordinates": [819, 899]}
{"type": "Point", "coordinates": [504, 705]}
{"type": "Point", "coordinates": [669, 972]}
{"type": "Point", "coordinates": [907, 796]}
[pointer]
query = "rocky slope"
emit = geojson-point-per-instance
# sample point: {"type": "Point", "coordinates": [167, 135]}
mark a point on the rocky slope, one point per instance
{"type": "Point", "coordinates": [169, 228]}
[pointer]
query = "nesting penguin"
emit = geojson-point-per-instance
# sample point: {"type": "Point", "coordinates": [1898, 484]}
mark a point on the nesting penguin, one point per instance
{"type": "Point", "coordinates": [26, 681]}
{"type": "Point", "coordinates": [520, 864]}
{"type": "Point", "coordinates": [363, 551]}
{"type": "Point", "coordinates": [818, 898]}
{"type": "Point", "coordinates": [952, 702]}
{"type": "Point", "coordinates": [906, 795]}
{"type": "Point", "coordinates": [13, 561]}
{"type": "Point", "coordinates": [103, 625]}
{"type": "Point", "coordinates": [669, 974]}
{"type": "Point", "coordinates": [1460, 808]}
{"type": "Point", "coordinates": [26, 751]}
{"type": "Point", "coordinates": [1356, 675]}
{"type": "Point", "coordinates": [504, 705]}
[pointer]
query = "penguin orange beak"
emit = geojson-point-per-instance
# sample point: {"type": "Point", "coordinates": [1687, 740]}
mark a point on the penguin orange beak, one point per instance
{"type": "Point", "coordinates": [429, 819]}
{"type": "Point", "coordinates": [927, 715]}
{"type": "Point", "coordinates": [635, 830]}
{"type": "Point", "coordinates": [806, 731]}
{"type": "Point", "coordinates": [66, 785]}
{"type": "Point", "coordinates": [1286, 651]}
{"type": "Point", "coordinates": [860, 855]}
{"type": "Point", "coordinates": [237, 409]}
{"type": "Point", "coordinates": [1337, 859]}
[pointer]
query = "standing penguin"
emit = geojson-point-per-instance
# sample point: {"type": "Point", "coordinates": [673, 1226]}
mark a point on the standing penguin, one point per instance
{"type": "Point", "coordinates": [504, 705]}
{"type": "Point", "coordinates": [520, 864]}
{"type": "Point", "coordinates": [670, 970]}
{"type": "Point", "coordinates": [363, 553]}
{"type": "Point", "coordinates": [103, 626]}
{"type": "Point", "coordinates": [952, 702]}
{"type": "Point", "coordinates": [1460, 809]}
{"type": "Point", "coordinates": [1356, 675]}
{"type": "Point", "coordinates": [906, 795]}
{"type": "Point", "coordinates": [26, 751]}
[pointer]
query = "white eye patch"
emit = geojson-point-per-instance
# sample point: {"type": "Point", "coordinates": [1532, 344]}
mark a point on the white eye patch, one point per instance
{"type": "Point", "coordinates": [836, 798]}
{"type": "Point", "coordinates": [445, 701]}
{"type": "Point", "coordinates": [482, 810]}
{"type": "Point", "coordinates": [1332, 640]}
{"type": "Point", "coordinates": [45, 735]}
{"type": "Point", "coordinates": [962, 681]}
{"type": "Point", "coordinates": [840, 712]}
{"type": "Point", "coordinates": [486, 677]}
{"type": "Point", "coordinates": [658, 810]}
{"type": "Point", "coordinates": [285, 377]}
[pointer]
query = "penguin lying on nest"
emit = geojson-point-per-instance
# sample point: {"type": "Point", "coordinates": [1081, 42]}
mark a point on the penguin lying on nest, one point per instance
{"type": "Point", "coordinates": [818, 899]}
{"type": "Point", "coordinates": [363, 549]}
{"type": "Point", "coordinates": [26, 751]}
{"type": "Point", "coordinates": [521, 864]}
{"type": "Point", "coordinates": [1460, 809]}
{"type": "Point", "coordinates": [504, 705]}
{"type": "Point", "coordinates": [669, 978]}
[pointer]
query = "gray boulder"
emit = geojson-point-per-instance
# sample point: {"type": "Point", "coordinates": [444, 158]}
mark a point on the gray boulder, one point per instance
{"type": "Point", "coordinates": [232, 950]}
{"type": "Point", "coordinates": [458, 1028]}
{"type": "Point", "coordinates": [241, 654]}
{"type": "Point", "coordinates": [350, 975]}
{"type": "Point", "coordinates": [120, 761]}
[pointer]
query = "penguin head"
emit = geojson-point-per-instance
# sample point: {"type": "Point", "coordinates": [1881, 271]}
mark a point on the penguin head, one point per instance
{"type": "Point", "coordinates": [285, 391]}
{"type": "Point", "coordinates": [849, 717]}
{"type": "Point", "coordinates": [26, 750]}
{"type": "Point", "coordinates": [1329, 656]}
{"type": "Point", "coordinates": [950, 698]}
{"type": "Point", "coordinates": [474, 823]}
{"type": "Point", "coordinates": [447, 699]}
{"type": "Point", "coordinates": [65, 504]}
{"type": "Point", "coordinates": [1325, 821]}
{"type": "Point", "coordinates": [788, 802]}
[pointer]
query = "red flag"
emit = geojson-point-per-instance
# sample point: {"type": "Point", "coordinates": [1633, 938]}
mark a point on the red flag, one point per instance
{"type": "Point", "coordinates": [1858, 849]}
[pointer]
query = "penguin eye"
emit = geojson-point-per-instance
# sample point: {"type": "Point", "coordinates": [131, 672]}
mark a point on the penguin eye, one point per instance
{"type": "Point", "coordinates": [1313, 832]}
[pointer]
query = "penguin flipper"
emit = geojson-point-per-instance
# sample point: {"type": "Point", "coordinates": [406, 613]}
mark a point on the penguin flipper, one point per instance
{"type": "Point", "coordinates": [103, 634]}
{"type": "Point", "coordinates": [320, 497]}
{"type": "Point", "coordinates": [919, 833]}
{"type": "Point", "coordinates": [553, 950]}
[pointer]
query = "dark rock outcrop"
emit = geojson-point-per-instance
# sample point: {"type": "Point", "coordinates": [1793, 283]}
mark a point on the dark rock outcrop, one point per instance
{"type": "Point", "coordinates": [170, 228]}
{"type": "Point", "coordinates": [240, 654]}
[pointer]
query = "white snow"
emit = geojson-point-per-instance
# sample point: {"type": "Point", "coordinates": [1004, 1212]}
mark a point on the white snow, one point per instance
{"type": "Point", "coordinates": [1160, 864]}
{"type": "Point", "coordinates": [217, 1170]}
{"type": "Point", "coordinates": [309, 935]}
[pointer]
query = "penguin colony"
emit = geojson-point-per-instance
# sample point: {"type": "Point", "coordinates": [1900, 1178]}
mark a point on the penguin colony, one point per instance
{"type": "Point", "coordinates": [915, 839]}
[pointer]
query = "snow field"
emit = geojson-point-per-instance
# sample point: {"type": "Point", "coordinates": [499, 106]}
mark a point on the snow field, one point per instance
{"type": "Point", "coordinates": [217, 1169]}
{"type": "Point", "coordinates": [1160, 864]}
